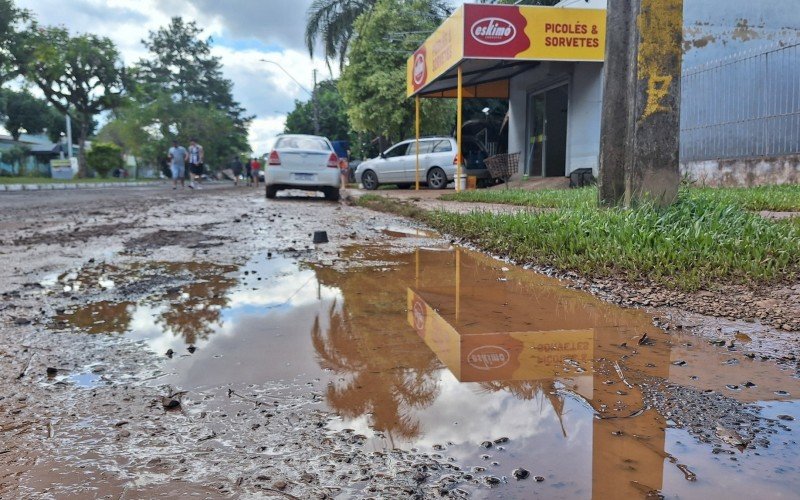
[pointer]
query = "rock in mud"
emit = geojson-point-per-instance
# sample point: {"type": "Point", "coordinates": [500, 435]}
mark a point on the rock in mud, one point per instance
{"type": "Point", "coordinates": [520, 474]}
{"type": "Point", "coordinates": [486, 444]}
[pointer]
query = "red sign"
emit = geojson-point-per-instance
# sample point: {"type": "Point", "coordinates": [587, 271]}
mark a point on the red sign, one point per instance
{"type": "Point", "coordinates": [494, 32]}
{"type": "Point", "coordinates": [420, 70]}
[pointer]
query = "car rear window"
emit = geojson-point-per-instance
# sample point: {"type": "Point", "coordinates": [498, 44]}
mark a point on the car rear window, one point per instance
{"type": "Point", "coordinates": [309, 143]}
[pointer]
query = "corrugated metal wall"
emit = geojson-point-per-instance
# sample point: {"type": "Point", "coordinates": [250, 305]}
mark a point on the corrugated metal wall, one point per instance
{"type": "Point", "coordinates": [743, 106]}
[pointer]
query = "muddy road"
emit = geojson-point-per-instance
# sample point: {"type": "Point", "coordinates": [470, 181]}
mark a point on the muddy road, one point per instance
{"type": "Point", "coordinates": [198, 343]}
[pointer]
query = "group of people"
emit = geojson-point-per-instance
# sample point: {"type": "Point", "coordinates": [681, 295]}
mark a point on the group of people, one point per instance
{"type": "Point", "coordinates": [193, 158]}
{"type": "Point", "coordinates": [250, 169]}
{"type": "Point", "coordinates": [179, 157]}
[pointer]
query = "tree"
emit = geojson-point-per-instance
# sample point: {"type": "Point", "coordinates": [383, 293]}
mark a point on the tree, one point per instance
{"type": "Point", "coordinates": [81, 76]}
{"type": "Point", "coordinates": [373, 84]}
{"type": "Point", "coordinates": [180, 64]}
{"type": "Point", "coordinates": [104, 157]}
{"type": "Point", "coordinates": [333, 121]}
{"type": "Point", "coordinates": [147, 130]}
{"type": "Point", "coordinates": [15, 156]}
{"type": "Point", "coordinates": [181, 93]}
{"type": "Point", "coordinates": [21, 111]}
{"type": "Point", "coordinates": [332, 22]}
{"type": "Point", "coordinates": [14, 22]}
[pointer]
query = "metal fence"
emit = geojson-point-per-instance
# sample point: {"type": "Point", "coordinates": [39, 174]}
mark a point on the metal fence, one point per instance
{"type": "Point", "coordinates": [747, 105]}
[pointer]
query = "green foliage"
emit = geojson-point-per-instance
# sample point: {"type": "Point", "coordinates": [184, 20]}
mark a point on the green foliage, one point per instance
{"type": "Point", "coordinates": [21, 110]}
{"type": "Point", "coordinates": [15, 156]}
{"type": "Point", "coordinates": [180, 93]}
{"type": "Point", "coordinates": [81, 76]}
{"type": "Point", "coordinates": [333, 122]}
{"type": "Point", "coordinates": [332, 22]}
{"type": "Point", "coordinates": [774, 198]}
{"type": "Point", "coordinates": [373, 84]}
{"type": "Point", "coordinates": [180, 64]}
{"type": "Point", "coordinates": [147, 131]}
{"type": "Point", "coordinates": [695, 243]}
{"type": "Point", "coordinates": [546, 198]}
{"type": "Point", "coordinates": [104, 157]}
{"type": "Point", "coordinates": [14, 22]}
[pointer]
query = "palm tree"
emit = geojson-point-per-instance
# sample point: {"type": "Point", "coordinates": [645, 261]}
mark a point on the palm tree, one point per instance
{"type": "Point", "coordinates": [333, 22]}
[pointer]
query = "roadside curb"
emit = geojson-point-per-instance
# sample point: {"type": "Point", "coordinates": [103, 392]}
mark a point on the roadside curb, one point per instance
{"type": "Point", "coordinates": [72, 185]}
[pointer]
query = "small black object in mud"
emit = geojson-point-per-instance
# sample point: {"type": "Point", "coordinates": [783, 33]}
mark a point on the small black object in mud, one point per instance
{"type": "Point", "coordinates": [320, 237]}
{"type": "Point", "coordinates": [501, 440]}
{"type": "Point", "coordinates": [521, 474]}
{"type": "Point", "coordinates": [169, 353]}
{"type": "Point", "coordinates": [492, 481]}
{"type": "Point", "coordinates": [538, 479]}
{"type": "Point", "coordinates": [170, 404]}
{"type": "Point", "coordinates": [51, 371]}
{"type": "Point", "coordinates": [191, 349]}
{"type": "Point", "coordinates": [679, 363]}
{"type": "Point", "coordinates": [787, 418]}
{"type": "Point", "coordinates": [486, 444]}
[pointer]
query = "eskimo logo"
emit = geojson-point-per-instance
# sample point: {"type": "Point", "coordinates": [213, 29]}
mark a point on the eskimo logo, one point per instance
{"type": "Point", "coordinates": [419, 69]}
{"type": "Point", "coordinates": [488, 357]}
{"type": "Point", "coordinates": [493, 31]}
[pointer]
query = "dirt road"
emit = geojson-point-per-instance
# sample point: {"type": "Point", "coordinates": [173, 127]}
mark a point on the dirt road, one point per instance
{"type": "Point", "coordinates": [157, 342]}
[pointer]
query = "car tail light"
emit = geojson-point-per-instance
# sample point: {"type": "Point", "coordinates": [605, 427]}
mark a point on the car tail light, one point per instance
{"type": "Point", "coordinates": [274, 158]}
{"type": "Point", "coordinates": [333, 161]}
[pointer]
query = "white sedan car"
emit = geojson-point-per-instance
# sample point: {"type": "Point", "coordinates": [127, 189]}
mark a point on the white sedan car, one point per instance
{"type": "Point", "coordinates": [306, 162]}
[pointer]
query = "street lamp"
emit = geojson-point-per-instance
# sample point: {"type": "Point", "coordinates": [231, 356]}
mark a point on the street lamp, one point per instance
{"type": "Point", "coordinates": [312, 94]}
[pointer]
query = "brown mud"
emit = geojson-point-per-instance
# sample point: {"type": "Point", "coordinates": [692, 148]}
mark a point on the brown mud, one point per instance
{"type": "Point", "coordinates": [384, 364]}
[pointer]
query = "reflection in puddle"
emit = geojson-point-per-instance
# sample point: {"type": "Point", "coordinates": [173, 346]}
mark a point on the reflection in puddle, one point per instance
{"type": "Point", "coordinates": [442, 350]}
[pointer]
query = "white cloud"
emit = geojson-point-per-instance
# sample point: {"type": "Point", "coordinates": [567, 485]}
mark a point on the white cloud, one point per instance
{"type": "Point", "coordinates": [270, 30]}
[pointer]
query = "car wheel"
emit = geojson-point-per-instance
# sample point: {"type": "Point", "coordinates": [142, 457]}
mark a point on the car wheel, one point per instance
{"type": "Point", "coordinates": [369, 180]}
{"type": "Point", "coordinates": [331, 194]}
{"type": "Point", "coordinates": [437, 178]}
{"type": "Point", "coordinates": [272, 191]}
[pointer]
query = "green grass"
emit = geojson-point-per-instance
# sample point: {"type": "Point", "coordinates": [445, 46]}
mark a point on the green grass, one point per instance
{"type": "Point", "coordinates": [775, 198]}
{"type": "Point", "coordinates": [48, 180]}
{"type": "Point", "coordinates": [695, 243]}
{"type": "Point", "coordinates": [546, 198]}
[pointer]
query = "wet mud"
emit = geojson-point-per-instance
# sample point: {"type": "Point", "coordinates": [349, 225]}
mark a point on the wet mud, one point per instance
{"type": "Point", "coordinates": [387, 364]}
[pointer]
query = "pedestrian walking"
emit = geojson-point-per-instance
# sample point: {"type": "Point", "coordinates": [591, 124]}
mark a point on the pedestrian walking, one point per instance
{"type": "Point", "coordinates": [248, 172]}
{"type": "Point", "coordinates": [196, 159]}
{"type": "Point", "coordinates": [255, 167]}
{"type": "Point", "coordinates": [236, 167]}
{"type": "Point", "coordinates": [344, 170]}
{"type": "Point", "coordinates": [177, 161]}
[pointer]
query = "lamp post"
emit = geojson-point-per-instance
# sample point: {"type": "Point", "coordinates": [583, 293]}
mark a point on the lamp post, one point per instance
{"type": "Point", "coordinates": [313, 94]}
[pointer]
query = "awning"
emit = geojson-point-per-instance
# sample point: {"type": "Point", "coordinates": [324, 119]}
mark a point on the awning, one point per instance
{"type": "Point", "coordinates": [492, 43]}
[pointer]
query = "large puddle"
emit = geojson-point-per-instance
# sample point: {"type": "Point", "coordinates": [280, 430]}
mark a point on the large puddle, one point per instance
{"type": "Point", "coordinates": [453, 353]}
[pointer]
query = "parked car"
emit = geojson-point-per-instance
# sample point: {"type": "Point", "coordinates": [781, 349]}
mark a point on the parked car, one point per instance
{"type": "Point", "coordinates": [306, 162]}
{"type": "Point", "coordinates": [437, 158]}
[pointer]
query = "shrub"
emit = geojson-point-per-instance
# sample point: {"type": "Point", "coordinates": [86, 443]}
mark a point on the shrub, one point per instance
{"type": "Point", "coordinates": [104, 157]}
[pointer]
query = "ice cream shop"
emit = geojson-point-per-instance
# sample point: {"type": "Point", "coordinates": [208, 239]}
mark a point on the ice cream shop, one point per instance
{"type": "Point", "coordinates": [546, 61]}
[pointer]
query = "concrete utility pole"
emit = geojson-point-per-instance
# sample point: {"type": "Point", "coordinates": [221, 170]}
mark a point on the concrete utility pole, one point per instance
{"type": "Point", "coordinates": [315, 103]}
{"type": "Point", "coordinates": [640, 130]}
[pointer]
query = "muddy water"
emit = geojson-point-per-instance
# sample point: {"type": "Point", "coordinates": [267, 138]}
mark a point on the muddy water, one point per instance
{"type": "Point", "coordinates": [495, 367]}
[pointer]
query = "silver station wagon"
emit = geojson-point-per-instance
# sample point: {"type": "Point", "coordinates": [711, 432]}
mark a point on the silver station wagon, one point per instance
{"type": "Point", "coordinates": [437, 157]}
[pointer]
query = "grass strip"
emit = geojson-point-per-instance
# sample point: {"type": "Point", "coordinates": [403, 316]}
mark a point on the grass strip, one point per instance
{"type": "Point", "coordinates": [774, 198]}
{"type": "Point", "coordinates": [693, 244]}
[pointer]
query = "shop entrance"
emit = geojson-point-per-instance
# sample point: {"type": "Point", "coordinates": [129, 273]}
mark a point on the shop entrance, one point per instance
{"type": "Point", "coordinates": [547, 133]}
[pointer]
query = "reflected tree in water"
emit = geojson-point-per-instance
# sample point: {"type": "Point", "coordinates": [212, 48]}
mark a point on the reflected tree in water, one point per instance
{"type": "Point", "coordinates": [384, 369]}
{"type": "Point", "coordinates": [196, 311]}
